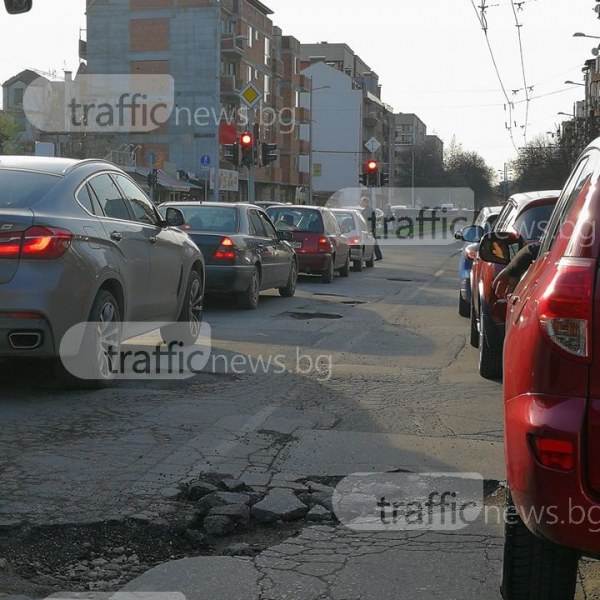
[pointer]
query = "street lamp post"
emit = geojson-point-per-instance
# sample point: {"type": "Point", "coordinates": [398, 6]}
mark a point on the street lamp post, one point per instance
{"type": "Point", "coordinates": [310, 137]}
{"type": "Point", "coordinates": [579, 34]}
{"type": "Point", "coordinates": [568, 81]}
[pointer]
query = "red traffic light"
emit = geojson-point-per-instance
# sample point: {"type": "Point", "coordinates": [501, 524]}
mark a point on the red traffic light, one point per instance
{"type": "Point", "coordinates": [246, 139]}
{"type": "Point", "coordinates": [372, 166]}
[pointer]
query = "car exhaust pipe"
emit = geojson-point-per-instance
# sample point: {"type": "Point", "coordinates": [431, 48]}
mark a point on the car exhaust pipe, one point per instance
{"type": "Point", "coordinates": [25, 340]}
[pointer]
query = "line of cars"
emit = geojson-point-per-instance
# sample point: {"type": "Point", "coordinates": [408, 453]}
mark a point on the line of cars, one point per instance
{"type": "Point", "coordinates": [80, 243]}
{"type": "Point", "coordinates": [550, 324]}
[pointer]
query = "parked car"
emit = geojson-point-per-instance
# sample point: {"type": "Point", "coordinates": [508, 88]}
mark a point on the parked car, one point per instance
{"type": "Point", "coordinates": [266, 203]}
{"type": "Point", "coordinates": [80, 242]}
{"type": "Point", "coordinates": [359, 235]}
{"type": "Point", "coordinates": [552, 395]}
{"type": "Point", "coordinates": [527, 214]}
{"type": "Point", "coordinates": [317, 238]}
{"type": "Point", "coordinates": [244, 254]}
{"type": "Point", "coordinates": [485, 219]}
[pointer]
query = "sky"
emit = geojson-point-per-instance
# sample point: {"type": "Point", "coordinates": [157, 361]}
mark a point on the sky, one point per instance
{"type": "Point", "coordinates": [431, 57]}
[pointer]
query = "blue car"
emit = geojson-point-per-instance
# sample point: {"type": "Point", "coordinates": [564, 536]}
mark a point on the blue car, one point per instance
{"type": "Point", "coordinates": [485, 219]}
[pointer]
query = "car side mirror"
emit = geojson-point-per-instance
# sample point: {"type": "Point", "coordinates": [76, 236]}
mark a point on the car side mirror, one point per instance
{"type": "Point", "coordinates": [174, 217]}
{"type": "Point", "coordinates": [499, 248]}
{"type": "Point", "coordinates": [471, 234]}
{"type": "Point", "coordinates": [15, 7]}
{"type": "Point", "coordinates": [285, 236]}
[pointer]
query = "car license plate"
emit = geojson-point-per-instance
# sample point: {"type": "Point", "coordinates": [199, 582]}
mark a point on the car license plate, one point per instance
{"type": "Point", "coordinates": [296, 244]}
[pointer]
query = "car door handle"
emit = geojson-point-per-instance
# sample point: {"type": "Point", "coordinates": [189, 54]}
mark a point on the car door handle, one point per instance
{"type": "Point", "coordinates": [513, 299]}
{"type": "Point", "coordinates": [153, 240]}
{"type": "Point", "coordinates": [115, 235]}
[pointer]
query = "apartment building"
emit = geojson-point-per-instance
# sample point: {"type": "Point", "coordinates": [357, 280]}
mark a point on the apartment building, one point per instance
{"type": "Point", "coordinates": [212, 50]}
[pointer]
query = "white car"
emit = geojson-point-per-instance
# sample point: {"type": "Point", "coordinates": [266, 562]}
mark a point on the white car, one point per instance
{"type": "Point", "coordinates": [361, 240]}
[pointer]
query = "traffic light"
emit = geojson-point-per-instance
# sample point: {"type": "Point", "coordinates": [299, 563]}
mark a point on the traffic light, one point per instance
{"type": "Point", "coordinates": [363, 178]}
{"type": "Point", "coordinates": [14, 7]}
{"type": "Point", "coordinates": [268, 153]}
{"type": "Point", "coordinates": [232, 153]}
{"type": "Point", "coordinates": [372, 170]}
{"type": "Point", "coordinates": [247, 146]}
{"type": "Point", "coordinates": [384, 178]}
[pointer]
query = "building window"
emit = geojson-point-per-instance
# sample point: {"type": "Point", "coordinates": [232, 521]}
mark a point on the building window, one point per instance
{"type": "Point", "coordinates": [18, 96]}
{"type": "Point", "coordinates": [267, 82]}
{"type": "Point", "coordinates": [250, 73]}
{"type": "Point", "coordinates": [296, 62]}
{"type": "Point", "coordinates": [267, 51]}
{"type": "Point", "coordinates": [250, 36]}
{"type": "Point", "coordinates": [231, 68]}
{"type": "Point", "coordinates": [296, 99]}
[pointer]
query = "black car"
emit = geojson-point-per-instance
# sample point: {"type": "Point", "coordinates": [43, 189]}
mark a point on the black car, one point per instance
{"type": "Point", "coordinates": [244, 254]}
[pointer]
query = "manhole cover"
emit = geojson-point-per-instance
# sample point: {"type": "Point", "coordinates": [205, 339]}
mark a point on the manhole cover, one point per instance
{"type": "Point", "coordinates": [311, 315]}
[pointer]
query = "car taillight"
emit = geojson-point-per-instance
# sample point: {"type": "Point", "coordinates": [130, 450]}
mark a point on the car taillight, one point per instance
{"type": "Point", "coordinates": [354, 241]}
{"type": "Point", "coordinates": [324, 245]}
{"type": "Point", "coordinates": [565, 308]}
{"type": "Point", "coordinates": [553, 453]}
{"type": "Point", "coordinates": [36, 242]}
{"type": "Point", "coordinates": [225, 250]}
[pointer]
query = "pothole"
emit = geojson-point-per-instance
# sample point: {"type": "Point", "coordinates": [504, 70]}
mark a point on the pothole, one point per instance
{"type": "Point", "coordinates": [353, 302]}
{"type": "Point", "coordinates": [401, 279]}
{"type": "Point", "coordinates": [311, 315]}
{"type": "Point", "coordinates": [327, 294]}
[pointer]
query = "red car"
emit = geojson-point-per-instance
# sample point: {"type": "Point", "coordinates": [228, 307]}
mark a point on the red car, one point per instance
{"type": "Point", "coordinates": [526, 214]}
{"type": "Point", "coordinates": [318, 240]}
{"type": "Point", "coordinates": [552, 396]}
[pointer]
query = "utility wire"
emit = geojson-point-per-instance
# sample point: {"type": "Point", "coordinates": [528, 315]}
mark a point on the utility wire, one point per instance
{"type": "Point", "coordinates": [525, 86]}
{"type": "Point", "coordinates": [484, 26]}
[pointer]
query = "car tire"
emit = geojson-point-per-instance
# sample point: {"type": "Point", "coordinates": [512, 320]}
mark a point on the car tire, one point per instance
{"type": "Point", "coordinates": [474, 329]}
{"type": "Point", "coordinates": [345, 270]}
{"type": "Point", "coordinates": [490, 355]}
{"type": "Point", "coordinates": [370, 263]}
{"type": "Point", "coordinates": [464, 307]}
{"type": "Point", "coordinates": [187, 328]}
{"type": "Point", "coordinates": [534, 568]}
{"type": "Point", "coordinates": [102, 337]}
{"type": "Point", "coordinates": [357, 265]}
{"type": "Point", "coordinates": [327, 275]}
{"type": "Point", "coordinates": [248, 299]}
{"type": "Point", "coordinates": [290, 288]}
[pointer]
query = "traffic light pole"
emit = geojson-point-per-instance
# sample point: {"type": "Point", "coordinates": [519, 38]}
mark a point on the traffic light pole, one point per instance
{"type": "Point", "coordinates": [251, 181]}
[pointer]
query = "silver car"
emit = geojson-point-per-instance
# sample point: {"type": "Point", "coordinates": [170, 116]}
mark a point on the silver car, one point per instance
{"type": "Point", "coordinates": [81, 243]}
{"type": "Point", "coordinates": [360, 238]}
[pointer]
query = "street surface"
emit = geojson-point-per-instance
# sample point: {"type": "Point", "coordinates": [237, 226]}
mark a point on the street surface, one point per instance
{"type": "Point", "coordinates": [393, 386]}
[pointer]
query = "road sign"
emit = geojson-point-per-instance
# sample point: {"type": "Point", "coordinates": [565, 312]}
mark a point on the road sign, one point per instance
{"type": "Point", "coordinates": [205, 160]}
{"type": "Point", "coordinates": [373, 145]}
{"type": "Point", "coordinates": [152, 158]}
{"type": "Point", "coordinates": [250, 95]}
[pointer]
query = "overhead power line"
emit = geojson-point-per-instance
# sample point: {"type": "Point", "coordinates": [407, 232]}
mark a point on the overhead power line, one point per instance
{"type": "Point", "coordinates": [525, 86]}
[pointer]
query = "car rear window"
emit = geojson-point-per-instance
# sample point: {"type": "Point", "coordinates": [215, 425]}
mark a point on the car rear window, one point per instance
{"type": "Point", "coordinates": [21, 189]}
{"type": "Point", "coordinates": [346, 220]}
{"type": "Point", "coordinates": [210, 218]}
{"type": "Point", "coordinates": [532, 222]}
{"type": "Point", "coordinates": [301, 220]}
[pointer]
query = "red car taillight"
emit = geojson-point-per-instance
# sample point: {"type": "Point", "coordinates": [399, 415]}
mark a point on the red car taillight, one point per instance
{"type": "Point", "coordinates": [225, 250]}
{"type": "Point", "coordinates": [35, 242]}
{"type": "Point", "coordinates": [471, 253]}
{"type": "Point", "coordinates": [324, 245]}
{"type": "Point", "coordinates": [553, 453]}
{"type": "Point", "coordinates": [354, 241]}
{"type": "Point", "coordinates": [565, 308]}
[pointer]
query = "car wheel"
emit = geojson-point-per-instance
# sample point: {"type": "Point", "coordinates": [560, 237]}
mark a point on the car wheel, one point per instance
{"type": "Point", "coordinates": [100, 345]}
{"type": "Point", "coordinates": [327, 275]}
{"type": "Point", "coordinates": [474, 329]}
{"type": "Point", "coordinates": [357, 265]}
{"type": "Point", "coordinates": [290, 289]}
{"type": "Point", "coordinates": [345, 270]}
{"type": "Point", "coordinates": [490, 356]}
{"type": "Point", "coordinates": [248, 299]}
{"type": "Point", "coordinates": [464, 307]}
{"type": "Point", "coordinates": [532, 567]}
{"type": "Point", "coordinates": [187, 328]}
{"type": "Point", "coordinates": [371, 263]}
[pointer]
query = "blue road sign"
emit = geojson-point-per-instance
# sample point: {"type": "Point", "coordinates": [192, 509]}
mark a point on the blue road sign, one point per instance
{"type": "Point", "coordinates": [205, 160]}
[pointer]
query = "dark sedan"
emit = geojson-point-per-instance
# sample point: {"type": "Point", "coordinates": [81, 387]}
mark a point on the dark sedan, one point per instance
{"type": "Point", "coordinates": [244, 253]}
{"type": "Point", "coordinates": [318, 239]}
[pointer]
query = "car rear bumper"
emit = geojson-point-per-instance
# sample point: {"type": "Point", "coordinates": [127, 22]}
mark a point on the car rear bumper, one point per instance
{"type": "Point", "coordinates": [356, 253]}
{"type": "Point", "coordinates": [313, 263]}
{"type": "Point", "coordinates": [26, 337]}
{"type": "Point", "coordinates": [556, 505]}
{"type": "Point", "coordinates": [228, 278]}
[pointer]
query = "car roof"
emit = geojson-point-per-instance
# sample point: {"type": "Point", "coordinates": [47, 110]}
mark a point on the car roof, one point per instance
{"type": "Point", "coordinates": [522, 199]}
{"type": "Point", "coordinates": [210, 204]}
{"type": "Point", "coordinates": [49, 164]}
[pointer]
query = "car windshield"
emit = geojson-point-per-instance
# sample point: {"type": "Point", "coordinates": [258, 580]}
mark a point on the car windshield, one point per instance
{"type": "Point", "coordinates": [346, 220]}
{"type": "Point", "coordinates": [297, 219]}
{"type": "Point", "coordinates": [209, 218]}
{"type": "Point", "coordinates": [21, 189]}
{"type": "Point", "coordinates": [532, 222]}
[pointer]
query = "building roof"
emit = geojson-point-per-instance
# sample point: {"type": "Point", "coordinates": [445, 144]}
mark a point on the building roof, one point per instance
{"type": "Point", "coordinates": [27, 76]}
{"type": "Point", "coordinates": [260, 6]}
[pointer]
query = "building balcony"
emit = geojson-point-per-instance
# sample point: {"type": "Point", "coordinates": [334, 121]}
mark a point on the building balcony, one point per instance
{"type": "Point", "coordinates": [304, 83]}
{"type": "Point", "coordinates": [302, 115]}
{"type": "Point", "coordinates": [232, 44]}
{"type": "Point", "coordinates": [230, 85]}
{"type": "Point", "coordinates": [278, 67]}
{"type": "Point", "coordinates": [371, 118]}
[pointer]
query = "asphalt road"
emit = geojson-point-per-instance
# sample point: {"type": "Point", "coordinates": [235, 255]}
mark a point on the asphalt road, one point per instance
{"type": "Point", "coordinates": [368, 374]}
